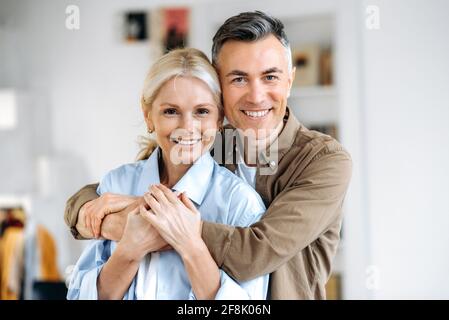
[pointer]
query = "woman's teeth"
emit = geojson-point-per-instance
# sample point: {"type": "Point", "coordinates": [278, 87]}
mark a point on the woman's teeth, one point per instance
{"type": "Point", "coordinates": [187, 142]}
{"type": "Point", "coordinates": [256, 114]}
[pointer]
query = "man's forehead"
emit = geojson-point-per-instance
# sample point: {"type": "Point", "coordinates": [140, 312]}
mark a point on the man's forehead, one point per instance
{"type": "Point", "coordinates": [261, 55]}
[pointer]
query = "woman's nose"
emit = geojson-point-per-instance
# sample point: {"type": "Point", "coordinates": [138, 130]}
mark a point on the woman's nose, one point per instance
{"type": "Point", "coordinates": [189, 123]}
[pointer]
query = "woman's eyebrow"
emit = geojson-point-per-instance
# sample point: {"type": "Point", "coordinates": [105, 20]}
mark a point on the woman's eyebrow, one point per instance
{"type": "Point", "coordinates": [169, 104]}
{"type": "Point", "coordinates": [206, 104]}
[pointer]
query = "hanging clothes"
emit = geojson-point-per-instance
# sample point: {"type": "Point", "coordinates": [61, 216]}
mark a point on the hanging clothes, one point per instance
{"type": "Point", "coordinates": [27, 254]}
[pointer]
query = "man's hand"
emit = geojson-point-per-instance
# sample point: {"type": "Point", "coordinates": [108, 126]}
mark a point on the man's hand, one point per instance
{"type": "Point", "coordinates": [93, 212]}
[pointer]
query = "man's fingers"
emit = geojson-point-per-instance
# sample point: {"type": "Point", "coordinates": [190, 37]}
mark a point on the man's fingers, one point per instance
{"type": "Point", "coordinates": [97, 227]}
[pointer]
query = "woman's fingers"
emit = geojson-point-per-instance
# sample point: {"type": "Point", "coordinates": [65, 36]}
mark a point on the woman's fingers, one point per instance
{"type": "Point", "coordinates": [158, 195]}
{"type": "Point", "coordinates": [148, 215]}
{"type": "Point", "coordinates": [189, 204]}
{"type": "Point", "coordinates": [170, 195]}
{"type": "Point", "coordinates": [152, 202]}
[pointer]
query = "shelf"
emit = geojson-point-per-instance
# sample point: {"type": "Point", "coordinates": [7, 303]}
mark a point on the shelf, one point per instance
{"type": "Point", "coordinates": [313, 92]}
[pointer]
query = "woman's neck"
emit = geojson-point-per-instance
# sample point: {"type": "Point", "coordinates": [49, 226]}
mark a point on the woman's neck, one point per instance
{"type": "Point", "coordinates": [170, 173]}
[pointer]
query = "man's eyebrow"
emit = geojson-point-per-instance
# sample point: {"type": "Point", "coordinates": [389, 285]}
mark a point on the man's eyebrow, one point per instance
{"type": "Point", "coordinates": [236, 73]}
{"type": "Point", "coordinates": [244, 74]}
{"type": "Point", "coordinates": [272, 70]}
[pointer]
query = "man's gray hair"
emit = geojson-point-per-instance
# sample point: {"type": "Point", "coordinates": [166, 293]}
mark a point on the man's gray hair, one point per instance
{"type": "Point", "coordinates": [250, 26]}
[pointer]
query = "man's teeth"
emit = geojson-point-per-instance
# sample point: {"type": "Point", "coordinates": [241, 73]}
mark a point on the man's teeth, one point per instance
{"type": "Point", "coordinates": [256, 114]}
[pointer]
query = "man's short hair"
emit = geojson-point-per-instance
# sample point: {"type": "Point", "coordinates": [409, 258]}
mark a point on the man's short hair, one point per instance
{"type": "Point", "coordinates": [250, 26]}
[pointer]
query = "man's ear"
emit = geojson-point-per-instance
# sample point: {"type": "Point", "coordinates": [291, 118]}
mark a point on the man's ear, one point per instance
{"type": "Point", "coordinates": [291, 78]}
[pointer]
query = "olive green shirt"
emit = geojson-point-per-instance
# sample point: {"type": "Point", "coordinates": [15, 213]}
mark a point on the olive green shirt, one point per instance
{"type": "Point", "coordinates": [297, 238]}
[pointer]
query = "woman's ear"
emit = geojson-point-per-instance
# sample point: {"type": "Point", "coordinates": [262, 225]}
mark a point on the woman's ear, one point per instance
{"type": "Point", "coordinates": [147, 118]}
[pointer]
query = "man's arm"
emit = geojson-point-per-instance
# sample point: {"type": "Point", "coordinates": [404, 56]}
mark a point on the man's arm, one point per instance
{"type": "Point", "coordinates": [295, 219]}
{"type": "Point", "coordinates": [89, 215]}
{"type": "Point", "coordinates": [73, 206]}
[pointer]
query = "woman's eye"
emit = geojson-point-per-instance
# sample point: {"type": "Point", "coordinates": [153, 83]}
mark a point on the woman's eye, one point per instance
{"type": "Point", "coordinates": [203, 111]}
{"type": "Point", "coordinates": [170, 111]}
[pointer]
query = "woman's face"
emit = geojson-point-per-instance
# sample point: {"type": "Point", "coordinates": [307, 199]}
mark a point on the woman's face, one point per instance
{"type": "Point", "coordinates": [185, 119]}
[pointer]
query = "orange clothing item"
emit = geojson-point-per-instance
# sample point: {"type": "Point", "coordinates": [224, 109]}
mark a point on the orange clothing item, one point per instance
{"type": "Point", "coordinates": [47, 248]}
{"type": "Point", "coordinates": [12, 258]}
{"type": "Point", "coordinates": [11, 246]}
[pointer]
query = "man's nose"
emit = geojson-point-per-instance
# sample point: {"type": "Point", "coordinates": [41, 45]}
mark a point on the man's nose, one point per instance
{"type": "Point", "coordinates": [256, 93]}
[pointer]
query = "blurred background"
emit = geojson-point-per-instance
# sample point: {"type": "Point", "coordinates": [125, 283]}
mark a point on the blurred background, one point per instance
{"type": "Point", "coordinates": [374, 74]}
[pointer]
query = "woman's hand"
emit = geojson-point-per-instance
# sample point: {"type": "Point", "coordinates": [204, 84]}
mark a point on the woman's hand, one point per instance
{"type": "Point", "coordinates": [93, 212]}
{"type": "Point", "coordinates": [177, 219]}
{"type": "Point", "coordinates": [140, 237]}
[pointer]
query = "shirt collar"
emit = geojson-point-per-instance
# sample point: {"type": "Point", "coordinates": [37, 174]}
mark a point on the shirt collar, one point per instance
{"type": "Point", "coordinates": [277, 149]}
{"type": "Point", "coordinates": [194, 183]}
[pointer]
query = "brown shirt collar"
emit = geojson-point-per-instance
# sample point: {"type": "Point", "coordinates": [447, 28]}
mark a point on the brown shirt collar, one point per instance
{"type": "Point", "coordinates": [269, 158]}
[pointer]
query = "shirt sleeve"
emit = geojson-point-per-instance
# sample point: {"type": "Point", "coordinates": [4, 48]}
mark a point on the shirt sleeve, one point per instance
{"type": "Point", "coordinates": [83, 282]}
{"type": "Point", "coordinates": [230, 289]}
{"type": "Point", "coordinates": [73, 205]}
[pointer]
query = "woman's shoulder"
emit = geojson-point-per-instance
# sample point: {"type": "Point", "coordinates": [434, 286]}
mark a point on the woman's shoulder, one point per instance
{"type": "Point", "coordinates": [240, 193]}
{"type": "Point", "coordinates": [121, 178]}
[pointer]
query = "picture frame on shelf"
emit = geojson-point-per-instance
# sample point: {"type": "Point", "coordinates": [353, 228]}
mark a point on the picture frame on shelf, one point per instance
{"type": "Point", "coordinates": [136, 26]}
{"type": "Point", "coordinates": [326, 68]}
{"type": "Point", "coordinates": [306, 59]}
{"type": "Point", "coordinates": [174, 27]}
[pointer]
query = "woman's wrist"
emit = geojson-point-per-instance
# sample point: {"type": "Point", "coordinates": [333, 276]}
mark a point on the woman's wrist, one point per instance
{"type": "Point", "coordinates": [193, 249]}
{"type": "Point", "coordinates": [129, 253]}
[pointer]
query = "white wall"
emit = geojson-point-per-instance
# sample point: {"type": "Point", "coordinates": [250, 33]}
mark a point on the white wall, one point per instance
{"type": "Point", "coordinates": [406, 109]}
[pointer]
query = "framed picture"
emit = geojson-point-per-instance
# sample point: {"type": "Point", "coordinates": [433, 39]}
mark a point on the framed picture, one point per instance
{"type": "Point", "coordinates": [136, 26]}
{"type": "Point", "coordinates": [306, 59]}
{"type": "Point", "coordinates": [175, 26]}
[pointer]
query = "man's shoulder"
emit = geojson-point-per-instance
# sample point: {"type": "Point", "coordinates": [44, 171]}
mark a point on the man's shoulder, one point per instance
{"type": "Point", "coordinates": [316, 143]}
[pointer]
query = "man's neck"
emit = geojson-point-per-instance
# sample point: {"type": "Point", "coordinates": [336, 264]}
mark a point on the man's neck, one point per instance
{"type": "Point", "coordinates": [253, 147]}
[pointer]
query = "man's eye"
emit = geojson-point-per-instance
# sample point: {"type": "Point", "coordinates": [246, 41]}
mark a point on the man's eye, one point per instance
{"type": "Point", "coordinates": [271, 77]}
{"type": "Point", "coordinates": [238, 80]}
{"type": "Point", "coordinates": [170, 111]}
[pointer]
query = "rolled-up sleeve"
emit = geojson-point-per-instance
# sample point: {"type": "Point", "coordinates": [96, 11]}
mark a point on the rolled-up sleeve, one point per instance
{"type": "Point", "coordinates": [255, 289]}
{"type": "Point", "coordinates": [83, 282]}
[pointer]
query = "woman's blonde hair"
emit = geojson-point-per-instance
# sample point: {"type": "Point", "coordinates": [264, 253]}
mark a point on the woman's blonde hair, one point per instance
{"type": "Point", "coordinates": [187, 62]}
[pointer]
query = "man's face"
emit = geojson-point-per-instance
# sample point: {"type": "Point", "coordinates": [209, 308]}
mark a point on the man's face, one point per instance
{"type": "Point", "coordinates": [255, 82]}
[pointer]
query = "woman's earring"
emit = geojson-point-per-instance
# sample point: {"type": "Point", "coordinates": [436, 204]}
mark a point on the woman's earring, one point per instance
{"type": "Point", "coordinates": [150, 131]}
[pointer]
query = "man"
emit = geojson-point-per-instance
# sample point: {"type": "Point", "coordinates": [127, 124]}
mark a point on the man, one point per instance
{"type": "Point", "coordinates": [303, 183]}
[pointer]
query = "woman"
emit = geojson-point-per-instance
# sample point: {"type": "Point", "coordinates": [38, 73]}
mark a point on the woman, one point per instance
{"type": "Point", "coordinates": [181, 104]}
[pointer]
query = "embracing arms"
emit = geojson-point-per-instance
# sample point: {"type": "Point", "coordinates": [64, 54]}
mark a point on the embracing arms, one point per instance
{"type": "Point", "coordinates": [295, 218]}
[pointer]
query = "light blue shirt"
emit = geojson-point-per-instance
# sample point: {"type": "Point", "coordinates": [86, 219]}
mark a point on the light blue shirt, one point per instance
{"type": "Point", "coordinates": [220, 197]}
